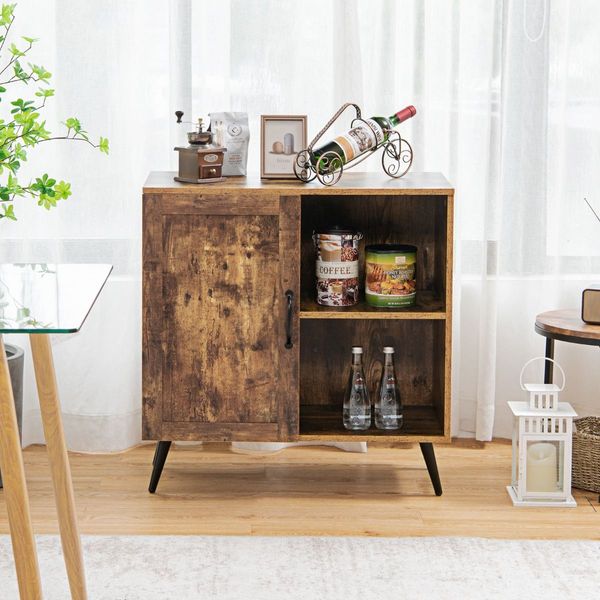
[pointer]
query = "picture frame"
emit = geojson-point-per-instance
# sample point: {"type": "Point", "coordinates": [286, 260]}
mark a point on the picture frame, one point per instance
{"type": "Point", "coordinates": [281, 138]}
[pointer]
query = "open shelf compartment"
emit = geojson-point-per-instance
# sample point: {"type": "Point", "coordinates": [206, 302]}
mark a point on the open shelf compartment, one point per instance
{"type": "Point", "coordinates": [420, 361]}
{"type": "Point", "coordinates": [387, 219]}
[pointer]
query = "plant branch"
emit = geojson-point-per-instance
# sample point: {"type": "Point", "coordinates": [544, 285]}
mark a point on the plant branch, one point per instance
{"type": "Point", "coordinates": [14, 78]}
{"type": "Point", "coordinates": [71, 138]}
{"type": "Point", "coordinates": [6, 33]}
{"type": "Point", "coordinates": [592, 209]}
{"type": "Point", "coordinates": [25, 128]}
{"type": "Point", "coordinates": [15, 58]}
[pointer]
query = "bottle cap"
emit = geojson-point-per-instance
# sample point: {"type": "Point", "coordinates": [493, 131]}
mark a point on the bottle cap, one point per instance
{"type": "Point", "coordinates": [388, 350]}
{"type": "Point", "coordinates": [406, 113]}
{"type": "Point", "coordinates": [357, 350]}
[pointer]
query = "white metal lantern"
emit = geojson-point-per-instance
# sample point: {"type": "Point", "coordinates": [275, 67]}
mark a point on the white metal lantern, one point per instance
{"type": "Point", "coordinates": [541, 446]}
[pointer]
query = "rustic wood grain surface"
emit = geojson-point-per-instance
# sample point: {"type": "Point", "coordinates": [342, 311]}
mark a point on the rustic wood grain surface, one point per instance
{"type": "Point", "coordinates": [567, 322]}
{"type": "Point", "coordinates": [413, 184]}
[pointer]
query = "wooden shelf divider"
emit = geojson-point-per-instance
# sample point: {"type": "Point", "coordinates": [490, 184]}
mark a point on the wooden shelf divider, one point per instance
{"type": "Point", "coordinates": [428, 306]}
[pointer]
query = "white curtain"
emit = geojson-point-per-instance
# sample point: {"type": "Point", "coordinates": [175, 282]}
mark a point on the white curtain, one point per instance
{"type": "Point", "coordinates": [508, 96]}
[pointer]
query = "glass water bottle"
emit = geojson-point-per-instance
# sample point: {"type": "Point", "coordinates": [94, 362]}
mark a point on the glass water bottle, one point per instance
{"type": "Point", "coordinates": [388, 407]}
{"type": "Point", "coordinates": [357, 408]}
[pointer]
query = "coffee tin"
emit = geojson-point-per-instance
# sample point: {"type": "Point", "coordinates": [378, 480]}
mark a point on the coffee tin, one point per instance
{"type": "Point", "coordinates": [390, 275]}
{"type": "Point", "coordinates": [336, 251]}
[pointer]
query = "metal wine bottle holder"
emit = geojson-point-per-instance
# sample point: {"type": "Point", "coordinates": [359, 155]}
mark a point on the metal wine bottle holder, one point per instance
{"type": "Point", "coordinates": [328, 168]}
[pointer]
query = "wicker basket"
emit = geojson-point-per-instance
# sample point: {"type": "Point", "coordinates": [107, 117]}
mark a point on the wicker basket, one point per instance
{"type": "Point", "coordinates": [586, 454]}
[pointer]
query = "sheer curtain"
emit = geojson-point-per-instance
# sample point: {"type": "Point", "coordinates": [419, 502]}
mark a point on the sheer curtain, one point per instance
{"type": "Point", "coordinates": [111, 67]}
{"type": "Point", "coordinates": [507, 96]}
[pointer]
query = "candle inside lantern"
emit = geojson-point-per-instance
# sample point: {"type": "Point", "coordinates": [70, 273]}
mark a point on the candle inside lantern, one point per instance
{"type": "Point", "coordinates": [541, 467]}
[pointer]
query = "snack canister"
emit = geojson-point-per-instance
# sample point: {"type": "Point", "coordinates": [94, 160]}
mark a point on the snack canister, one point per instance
{"type": "Point", "coordinates": [336, 250]}
{"type": "Point", "coordinates": [390, 275]}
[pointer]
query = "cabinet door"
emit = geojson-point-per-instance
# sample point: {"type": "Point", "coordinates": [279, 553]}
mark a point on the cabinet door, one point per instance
{"type": "Point", "coordinates": [221, 280]}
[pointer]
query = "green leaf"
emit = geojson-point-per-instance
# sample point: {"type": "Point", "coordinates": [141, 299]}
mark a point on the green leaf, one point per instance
{"type": "Point", "coordinates": [42, 131]}
{"type": "Point", "coordinates": [6, 14]}
{"type": "Point", "coordinates": [40, 72]}
{"type": "Point", "coordinates": [44, 93]}
{"type": "Point", "coordinates": [19, 152]}
{"type": "Point", "coordinates": [103, 145]}
{"type": "Point", "coordinates": [13, 186]}
{"type": "Point", "coordinates": [47, 201]}
{"type": "Point", "coordinates": [29, 40]}
{"type": "Point", "coordinates": [22, 105]}
{"type": "Point", "coordinates": [63, 190]}
{"type": "Point", "coordinates": [19, 71]}
{"type": "Point", "coordinates": [15, 51]}
{"type": "Point", "coordinates": [9, 212]}
{"type": "Point", "coordinates": [73, 123]}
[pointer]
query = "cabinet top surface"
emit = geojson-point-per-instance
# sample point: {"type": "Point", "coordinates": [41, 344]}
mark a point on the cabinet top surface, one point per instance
{"type": "Point", "coordinates": [162, 182]}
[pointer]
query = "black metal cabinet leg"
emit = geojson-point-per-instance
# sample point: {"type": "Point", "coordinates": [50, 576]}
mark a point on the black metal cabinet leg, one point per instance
{"type": "Point", "coordinates": [160, 456]}
{"type": "Point", "coordinates": [429, 456]}
{"type": "Point", "coordinates": [155, 453]}
{"type": "Point", "coordinates": [548, 366]}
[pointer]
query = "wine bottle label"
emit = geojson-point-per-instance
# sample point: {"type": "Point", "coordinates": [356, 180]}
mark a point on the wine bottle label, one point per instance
{"type": "Point", "coordinates": [376, 128]}
{"type": "Point", "coordinates": [337, 270]}
{"type": "Point", "coordinates": [360, 139]}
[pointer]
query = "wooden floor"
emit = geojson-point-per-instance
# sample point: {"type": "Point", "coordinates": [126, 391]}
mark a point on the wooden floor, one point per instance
{"type": "Point", "coordinates": [302, 491]}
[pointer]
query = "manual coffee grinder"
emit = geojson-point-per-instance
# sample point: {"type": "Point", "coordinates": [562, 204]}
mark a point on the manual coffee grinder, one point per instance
{"type": "Point", "coordinates": [200, 162]}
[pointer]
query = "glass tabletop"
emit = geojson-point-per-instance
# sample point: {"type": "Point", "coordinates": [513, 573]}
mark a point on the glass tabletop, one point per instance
{"type": "Point", "coordinates": [48, 298]}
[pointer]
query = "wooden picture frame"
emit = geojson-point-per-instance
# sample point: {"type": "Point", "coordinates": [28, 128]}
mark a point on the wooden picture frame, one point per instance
{"type": "Point", "coordinates": [281, 138]}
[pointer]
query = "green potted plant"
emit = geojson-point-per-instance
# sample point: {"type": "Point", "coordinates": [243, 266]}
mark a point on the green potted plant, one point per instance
{"type": "Point", "coordinates": [25, 88]}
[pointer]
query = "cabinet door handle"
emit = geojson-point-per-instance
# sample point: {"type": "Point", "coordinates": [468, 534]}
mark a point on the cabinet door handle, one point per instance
{"type": "Point", "coordinates": [288, 321]}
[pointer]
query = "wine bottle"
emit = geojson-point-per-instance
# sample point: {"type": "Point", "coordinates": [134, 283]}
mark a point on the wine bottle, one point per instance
{"type": "Point", "coordinates": [360, 139]}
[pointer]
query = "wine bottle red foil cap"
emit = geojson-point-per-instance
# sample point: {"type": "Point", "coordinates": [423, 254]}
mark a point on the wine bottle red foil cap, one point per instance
{"type": "Point", "coordinates": [406, 113]}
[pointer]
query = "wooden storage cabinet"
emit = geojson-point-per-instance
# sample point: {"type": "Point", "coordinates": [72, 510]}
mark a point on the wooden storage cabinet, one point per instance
{"type": "Point", "coordinates": [235, 346]}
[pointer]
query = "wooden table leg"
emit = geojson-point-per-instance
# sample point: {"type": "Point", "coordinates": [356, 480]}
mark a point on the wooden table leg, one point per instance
{"type": "Point", "coordinates": [59, 462]}
{"type": "Point", "coordinates": [15, 490]}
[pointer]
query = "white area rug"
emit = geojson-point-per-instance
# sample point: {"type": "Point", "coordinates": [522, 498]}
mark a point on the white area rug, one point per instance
{"type": "Point", "coordinates": [309, 568]}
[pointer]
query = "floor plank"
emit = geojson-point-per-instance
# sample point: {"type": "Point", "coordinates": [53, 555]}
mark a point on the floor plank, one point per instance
{"type": "Point", "coordinates": [302, 491]}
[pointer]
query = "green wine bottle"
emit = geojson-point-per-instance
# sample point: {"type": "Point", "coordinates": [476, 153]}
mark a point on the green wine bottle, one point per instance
{"type": "Point", "coordinates": [360, 139]}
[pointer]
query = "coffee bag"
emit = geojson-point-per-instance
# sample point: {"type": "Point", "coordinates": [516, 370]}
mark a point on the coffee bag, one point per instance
{"type": "Point", "coordinates": [230, 129]}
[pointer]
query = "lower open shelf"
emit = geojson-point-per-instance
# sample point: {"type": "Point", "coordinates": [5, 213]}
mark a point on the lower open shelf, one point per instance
{"type": "Point", "coordinates": [324, 422]}
{"type": "Point", "coordinates": [421, 370]}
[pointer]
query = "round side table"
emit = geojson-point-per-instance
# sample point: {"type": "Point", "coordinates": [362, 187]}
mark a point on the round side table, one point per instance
{"type": "Point", "coordinates": [564, 326]}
